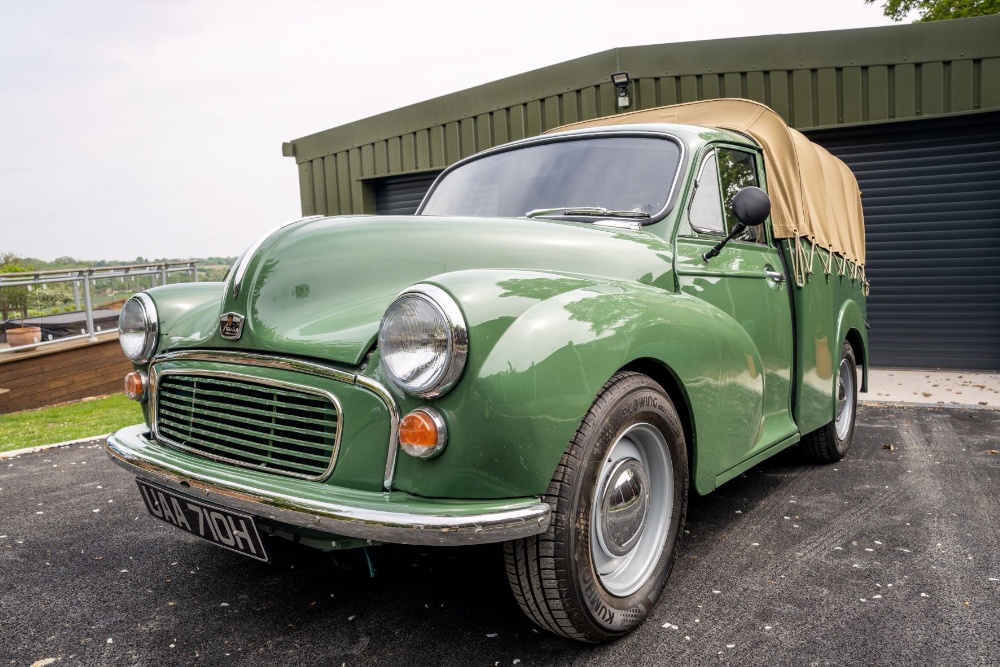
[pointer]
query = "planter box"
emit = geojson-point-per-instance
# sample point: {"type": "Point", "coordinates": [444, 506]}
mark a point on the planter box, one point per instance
{"type": "Point", "coordinates": [44, 375]}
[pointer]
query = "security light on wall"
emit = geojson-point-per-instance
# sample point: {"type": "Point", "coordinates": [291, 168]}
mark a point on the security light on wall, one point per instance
{"type": "Point", "coordinates": [621, 81]}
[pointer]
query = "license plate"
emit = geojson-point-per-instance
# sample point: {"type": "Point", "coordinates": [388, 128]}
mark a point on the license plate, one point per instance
{"type": "Point", "coordinates": [228, 529]}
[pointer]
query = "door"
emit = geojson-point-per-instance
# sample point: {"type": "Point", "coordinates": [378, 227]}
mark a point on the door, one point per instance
{"type": "Point", "coordinates": [747, 282]}
{"type": "Point", "coordinates": [931, 196]}
{"type": "Point", "coordinates": [401, 195]}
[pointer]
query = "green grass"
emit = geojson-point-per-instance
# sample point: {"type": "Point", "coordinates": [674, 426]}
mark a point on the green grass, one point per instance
{"type": "Point", "coordinates": [71, 421]}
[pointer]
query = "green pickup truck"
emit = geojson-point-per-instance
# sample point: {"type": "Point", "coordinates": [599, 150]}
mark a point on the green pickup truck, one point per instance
{"type": "Point", "coordinates": [573, 333]}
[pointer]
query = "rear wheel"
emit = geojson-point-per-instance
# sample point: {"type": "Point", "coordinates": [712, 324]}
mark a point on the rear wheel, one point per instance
{"type": "Point", "coordinates": [619, 499]}
{"type": "Point", "coordinates": [830, 443]}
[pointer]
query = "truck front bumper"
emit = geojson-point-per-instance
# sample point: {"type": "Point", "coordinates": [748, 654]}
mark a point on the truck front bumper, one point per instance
{"type": "Point", "coordinates": [393, 516]}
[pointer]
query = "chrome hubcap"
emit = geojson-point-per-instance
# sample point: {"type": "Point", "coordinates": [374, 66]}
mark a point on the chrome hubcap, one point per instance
{"type": "Point", "coordinates": [845, 399]}
{"type": "Point", "coordinates": [624, 506]}
{"type": "Point", "coordinates": [632, 508]}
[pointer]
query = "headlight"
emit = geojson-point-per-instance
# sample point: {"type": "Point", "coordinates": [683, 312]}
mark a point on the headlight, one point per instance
{"type": "Point", "coordinates": [137, 328]}
{"type": "Point", "coordinates": [423, 341]}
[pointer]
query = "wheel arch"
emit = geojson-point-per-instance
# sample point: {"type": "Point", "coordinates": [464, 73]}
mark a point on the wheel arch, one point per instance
{"type": "Point", "coordinates": [663, 375]}
{"type": "Point", "coordinates": [851, 325]}
{"type": "Point", "coordinates": [857, 343]}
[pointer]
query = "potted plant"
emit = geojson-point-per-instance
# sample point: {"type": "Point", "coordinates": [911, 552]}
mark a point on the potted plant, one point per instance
{"type": "Point", "coordinates": [16, 299]}
{"type": "Point", "coordinates": [22, 336]}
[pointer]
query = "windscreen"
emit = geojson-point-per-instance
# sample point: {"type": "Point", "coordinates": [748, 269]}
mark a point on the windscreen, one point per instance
{"type": "Point", "coordinates": [614, 173]}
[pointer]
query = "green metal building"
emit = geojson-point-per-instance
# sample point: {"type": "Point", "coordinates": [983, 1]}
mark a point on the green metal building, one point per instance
{"type": "Point", "coordinates": [914, 110]}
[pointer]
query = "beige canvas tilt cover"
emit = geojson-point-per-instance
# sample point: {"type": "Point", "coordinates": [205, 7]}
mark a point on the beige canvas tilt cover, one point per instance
{"type": "Point", "coordinates": [814, 195]}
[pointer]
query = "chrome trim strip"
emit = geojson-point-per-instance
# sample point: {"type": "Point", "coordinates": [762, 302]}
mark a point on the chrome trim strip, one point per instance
{"type": "Point", "coordinates": [522, 517]}
{"type": "Point", "coordinates": [155, 384]}
{"type": "Point", "coordinates": [390, 404]}
{"type": "Point", "coordinates": [309, 368]}
{"type": "Point", "coordinates": [262, 360]}
{"type": "Point", "coordinates": [244, 261]}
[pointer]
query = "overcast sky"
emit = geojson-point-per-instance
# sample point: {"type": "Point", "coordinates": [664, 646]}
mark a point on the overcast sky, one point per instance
{"type": "Point", "coordinates": [154, 128]}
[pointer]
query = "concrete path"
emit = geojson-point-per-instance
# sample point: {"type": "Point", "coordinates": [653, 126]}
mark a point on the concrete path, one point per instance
{"type": "Point", "coordinates": [942, 388]}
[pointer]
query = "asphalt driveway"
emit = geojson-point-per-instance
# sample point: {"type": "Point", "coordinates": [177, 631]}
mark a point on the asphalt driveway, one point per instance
{"type": "Point", "coordinates": [891, 557]}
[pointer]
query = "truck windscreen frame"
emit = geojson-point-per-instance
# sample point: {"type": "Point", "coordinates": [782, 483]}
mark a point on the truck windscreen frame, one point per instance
{"type": "Point", "coordinates": [612, 171]}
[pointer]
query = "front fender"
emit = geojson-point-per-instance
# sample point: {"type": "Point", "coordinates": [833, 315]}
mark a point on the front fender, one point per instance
{"type": "Point", "coordinates": [188, 312]}
{"type": "Point", "coordinates": [542, 346]}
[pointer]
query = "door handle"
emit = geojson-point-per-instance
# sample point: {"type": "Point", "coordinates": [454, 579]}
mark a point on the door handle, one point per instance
{"type": "Point", "coordinates": [775, 276]}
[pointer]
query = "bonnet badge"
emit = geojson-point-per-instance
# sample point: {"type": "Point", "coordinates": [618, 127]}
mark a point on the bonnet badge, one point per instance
{"type": "Point", "coordinates": [231, 326]}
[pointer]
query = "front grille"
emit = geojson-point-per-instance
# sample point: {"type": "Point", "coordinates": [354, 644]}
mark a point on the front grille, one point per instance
{"type": "Point", "coordinates": [279, 428]}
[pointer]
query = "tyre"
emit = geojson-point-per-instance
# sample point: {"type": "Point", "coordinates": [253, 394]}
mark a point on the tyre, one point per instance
{"type": "Point", "coordinates": [830, 443]}
{"type": "Point", "coordinates": [619, 500]}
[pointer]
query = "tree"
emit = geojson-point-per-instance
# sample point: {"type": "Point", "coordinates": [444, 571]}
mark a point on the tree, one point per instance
{"type": "Point", "coordinates": [53, 296]}
{"type": "Point", "coordinates": [13, 299]}
{"type": "Point", "coordinates": [937, 10]}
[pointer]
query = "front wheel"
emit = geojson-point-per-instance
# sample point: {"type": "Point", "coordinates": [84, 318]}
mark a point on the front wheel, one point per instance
{"type": "Point", "coordinates": [830, 443]}
{"type": "Point", "coordinates": [619, 499]}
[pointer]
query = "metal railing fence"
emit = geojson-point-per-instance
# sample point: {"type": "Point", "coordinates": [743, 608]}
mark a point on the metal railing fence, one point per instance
{"type": "Point", "coordinates": [83, 280]}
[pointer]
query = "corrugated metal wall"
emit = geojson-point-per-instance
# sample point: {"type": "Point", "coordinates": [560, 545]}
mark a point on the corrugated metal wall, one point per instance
{"type": "Point", "coordinates": [931, 194]}
{"type": "Point", "coordinates": [813, 80]}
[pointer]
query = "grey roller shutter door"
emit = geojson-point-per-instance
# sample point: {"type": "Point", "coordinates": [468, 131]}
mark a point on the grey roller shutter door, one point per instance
{"type": "Point", "coordinates": [401, 195]}
{"type": "Point", "coordinates": [931, 197]}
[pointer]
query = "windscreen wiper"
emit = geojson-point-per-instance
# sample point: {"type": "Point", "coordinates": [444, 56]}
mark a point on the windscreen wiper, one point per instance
{"type": "Point", "coordinates": [595, 211]}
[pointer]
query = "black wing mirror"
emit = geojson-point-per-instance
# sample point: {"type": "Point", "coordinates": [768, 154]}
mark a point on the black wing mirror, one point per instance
{"type": "Point", "coordinates": [751, 206]}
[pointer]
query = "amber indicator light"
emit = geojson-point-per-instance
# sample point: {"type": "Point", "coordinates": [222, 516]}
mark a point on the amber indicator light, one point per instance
{"type": "Point", "coordinates": [418, 430]}
{"type": "Point", "coordinates": [134, 387]}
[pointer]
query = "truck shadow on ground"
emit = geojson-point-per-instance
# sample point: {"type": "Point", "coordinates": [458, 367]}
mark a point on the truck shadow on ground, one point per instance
{"type": "Point", "coordinates": [447, 605]}
{"type": "Point", "coordinates": [745, 563]}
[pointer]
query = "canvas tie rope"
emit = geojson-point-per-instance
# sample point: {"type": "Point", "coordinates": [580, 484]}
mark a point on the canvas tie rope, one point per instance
{"type": "Point", "coordinates": [803, 259]}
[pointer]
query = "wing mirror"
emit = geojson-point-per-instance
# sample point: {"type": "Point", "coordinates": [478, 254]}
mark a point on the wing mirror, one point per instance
{"type": "Point", "coordinates": [751, 206]}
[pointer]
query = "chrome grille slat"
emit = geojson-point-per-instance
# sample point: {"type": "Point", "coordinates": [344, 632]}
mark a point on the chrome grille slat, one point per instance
{"type": "Point", "coordinates": [254, 440]}
{"type": "Point", "coordinates": [287, 402]}
{"type": "Point", "coordinates": [206, 415]}
{"type": "Point", "coordinates": [265, 461]}
{"type": "Point", "coordinates": [255, 423]}
{"type": "Point", "coordinates": [270, 414]}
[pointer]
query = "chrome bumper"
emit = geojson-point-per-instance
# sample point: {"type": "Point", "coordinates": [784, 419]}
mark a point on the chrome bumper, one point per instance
{"type": "Point", "coordinates": [379, 516]}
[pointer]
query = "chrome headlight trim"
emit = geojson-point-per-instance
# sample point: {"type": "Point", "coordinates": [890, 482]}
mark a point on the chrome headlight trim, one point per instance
{"type": "Point", "coordinates": [150, 326]}
{"type": "Point", "coordinates": [445, 377]}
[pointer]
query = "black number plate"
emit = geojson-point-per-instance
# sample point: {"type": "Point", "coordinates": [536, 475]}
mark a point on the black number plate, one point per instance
{"type": "Point", "coordinates": [228, 529]}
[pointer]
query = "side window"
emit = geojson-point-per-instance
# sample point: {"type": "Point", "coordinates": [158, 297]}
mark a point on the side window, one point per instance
{"type": "Point", "coordinates": [737, 170]}
{"type": "Point", "coordinates": [705, 212]}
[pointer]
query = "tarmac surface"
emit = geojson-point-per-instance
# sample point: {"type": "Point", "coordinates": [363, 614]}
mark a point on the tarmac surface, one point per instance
{"type": "Point", "coordinates": [891, 557]}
